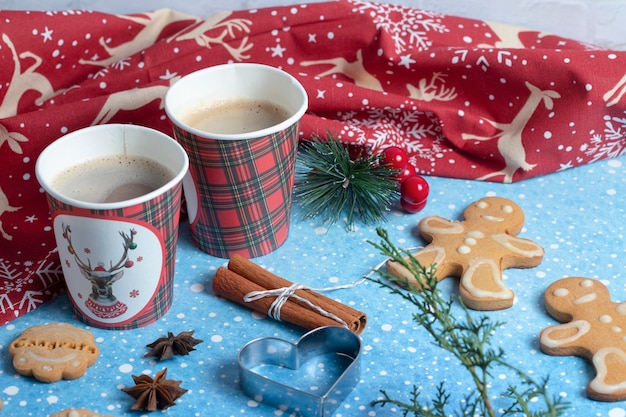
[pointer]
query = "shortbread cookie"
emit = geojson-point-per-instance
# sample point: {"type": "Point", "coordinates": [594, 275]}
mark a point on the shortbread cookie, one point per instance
{"type": "Point", "coordinates": [52, 352]}
{"type": "Point", "coordinates": [594, 328]}
{"type": "Point", "coordinates": [78, 412]}
{"type": "Point", "coordinates": [476, 250]}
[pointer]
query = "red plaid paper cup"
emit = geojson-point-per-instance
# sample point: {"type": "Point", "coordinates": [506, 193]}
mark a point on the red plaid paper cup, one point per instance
{"type": "Point", "coordinates": [117, 257]}
{"type": "Point", "coordinates": [240, 182]}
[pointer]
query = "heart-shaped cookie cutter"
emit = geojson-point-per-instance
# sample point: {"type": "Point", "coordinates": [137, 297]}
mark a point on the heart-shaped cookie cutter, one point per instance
{"type": "Point", "coordinates": [279, 352]}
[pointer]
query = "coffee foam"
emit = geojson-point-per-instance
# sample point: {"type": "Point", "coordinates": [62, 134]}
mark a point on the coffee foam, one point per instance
{"type": "Point", "coordinates": [235, 116]}
{"type": "Point", "coordinates": [112, 178]}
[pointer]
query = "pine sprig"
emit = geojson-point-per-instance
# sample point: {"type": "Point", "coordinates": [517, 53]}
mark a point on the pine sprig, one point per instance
{"type": "Point", "coordinates": [329, 183]}
{"type": "Point", "coordinates": [469, 340]}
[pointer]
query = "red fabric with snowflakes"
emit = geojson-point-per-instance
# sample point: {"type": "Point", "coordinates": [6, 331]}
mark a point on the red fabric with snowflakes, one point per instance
{"type": "Point", "coordinates": [465, 98]}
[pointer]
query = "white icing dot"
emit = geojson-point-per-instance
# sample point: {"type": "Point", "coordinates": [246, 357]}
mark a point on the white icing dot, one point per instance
{"type": "Point", "coordinates": [605, 318]}
{"type": "Point", "coordinates": [507, 209]}
{"type": "Point", "coordinates": [621, 308]}
{"type": "Point", "coordinates": [586, 283]}
{"type": "Point", "coordinates": [463, 250]}
{"type": "Point", "coordinates": [616, 329]}
{"type": "Point", "coordinates": [561, 292]}
{"type": "Point", "coordinates": [477, 234]}
{"type": "Point", "coordinates": [470, 241]}
{"type": "Point", "coordinates": [482, 205]}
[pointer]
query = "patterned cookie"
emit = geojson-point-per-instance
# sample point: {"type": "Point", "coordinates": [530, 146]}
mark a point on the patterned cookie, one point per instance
{"type": "Point", "coordinates": [78, 412]}
{"type": "Point", "coordinates": [594, 328]}
{"type": "Point", "coordinates": [477, 250]}
{"type": "Point", "coordinates": [53, 352]}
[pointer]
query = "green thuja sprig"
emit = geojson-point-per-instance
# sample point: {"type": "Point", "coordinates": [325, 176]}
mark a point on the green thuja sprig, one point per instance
{"type": "Point", "coordinates": [468, 339]}
{"type": "Point", "coordinates": [331, 182]}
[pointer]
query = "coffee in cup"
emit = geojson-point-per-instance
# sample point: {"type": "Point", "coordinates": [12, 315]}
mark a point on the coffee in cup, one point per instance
{"type": "Point", "coordinates": [112, 178]}
{"type": "Point", "coordinates": [237, 115]}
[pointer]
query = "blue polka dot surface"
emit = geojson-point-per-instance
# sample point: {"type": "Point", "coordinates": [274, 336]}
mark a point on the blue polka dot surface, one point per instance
{"type": "Point", "coordinates": [576, 215]}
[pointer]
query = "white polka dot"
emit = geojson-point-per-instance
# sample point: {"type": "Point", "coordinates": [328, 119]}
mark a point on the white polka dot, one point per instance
{"type": "Point", "coordinates": [125, 368]}
{"type": "Point", "coordinates": [617, 412]}
{"type": "Point", "coordinates": [615, 163]}
{"type": "Point", "coordinates": [11, 390]}
{"type": "Point", "coordinates": [386, 327]}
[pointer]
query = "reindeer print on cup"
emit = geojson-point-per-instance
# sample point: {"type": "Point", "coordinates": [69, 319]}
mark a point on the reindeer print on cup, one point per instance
{"type": "Point", "coordinates": [101, 301]}
{"type": "Point", "coordinates": [112, 278]}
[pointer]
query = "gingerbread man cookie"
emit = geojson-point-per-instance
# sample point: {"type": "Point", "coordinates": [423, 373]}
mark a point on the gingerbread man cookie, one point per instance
{"type": "Point", "coordinates": [594, 328]}
{"type": "Point", "coordinates": [477, 250]}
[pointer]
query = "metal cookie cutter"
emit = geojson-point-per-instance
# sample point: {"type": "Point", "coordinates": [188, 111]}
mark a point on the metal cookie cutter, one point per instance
{"type": "Point", "coordinates": [287, 397]}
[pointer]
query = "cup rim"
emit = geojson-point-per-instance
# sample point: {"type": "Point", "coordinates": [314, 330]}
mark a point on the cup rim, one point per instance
{"type": "Point", "coordinates": [294, 118]}
{"type": "Point", "coordinates": [45, 180]}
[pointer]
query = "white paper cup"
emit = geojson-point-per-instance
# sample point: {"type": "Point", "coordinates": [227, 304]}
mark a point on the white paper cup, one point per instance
{"type": "Point", "coordinates": [117, 258]}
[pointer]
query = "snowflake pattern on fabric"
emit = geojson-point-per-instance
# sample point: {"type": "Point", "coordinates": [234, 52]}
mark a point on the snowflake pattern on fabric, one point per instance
{"type": "Point", "coordinates": [408, 28]}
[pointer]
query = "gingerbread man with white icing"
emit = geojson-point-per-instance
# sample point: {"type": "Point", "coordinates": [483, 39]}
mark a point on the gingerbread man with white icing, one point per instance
{"type": "Point", "coordinates": [594, 328]}
{"type": "Point", "coordinates": [477, 250]}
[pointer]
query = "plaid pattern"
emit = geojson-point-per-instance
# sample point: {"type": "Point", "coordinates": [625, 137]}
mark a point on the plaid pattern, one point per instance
{"type": "Point", "coordinates": [161, 213]}
{"type": "Point", "coordinates": [244, 191]}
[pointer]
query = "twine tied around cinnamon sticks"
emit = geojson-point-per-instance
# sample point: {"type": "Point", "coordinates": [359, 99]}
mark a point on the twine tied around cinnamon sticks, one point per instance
{"type": "Point", "coordinates": [248, 284]}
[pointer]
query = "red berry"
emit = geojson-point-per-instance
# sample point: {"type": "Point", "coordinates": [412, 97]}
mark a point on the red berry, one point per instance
{"type": "Point", "coordinates": [395, 157]}
{"type": "Point", "coordinates": [129, 264]}
{"type": "Point", "coordinates": [410, 207]}
{"type": "Point", "coordinates": [408, 172]}
{"type": "Point", "coordinates": [414, 190]}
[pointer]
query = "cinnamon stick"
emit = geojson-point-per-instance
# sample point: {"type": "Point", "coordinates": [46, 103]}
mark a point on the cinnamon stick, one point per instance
{"type": "Point", "coordinates": [234, 287]}
{"type": "Point", "coordinates": [355, 319]}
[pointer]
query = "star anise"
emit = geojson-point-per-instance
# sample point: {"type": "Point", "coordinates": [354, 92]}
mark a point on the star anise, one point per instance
{"type": "Point", "coordinates": [166, 347]}
{"type": "Point", "coordinates": [152, 394]}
